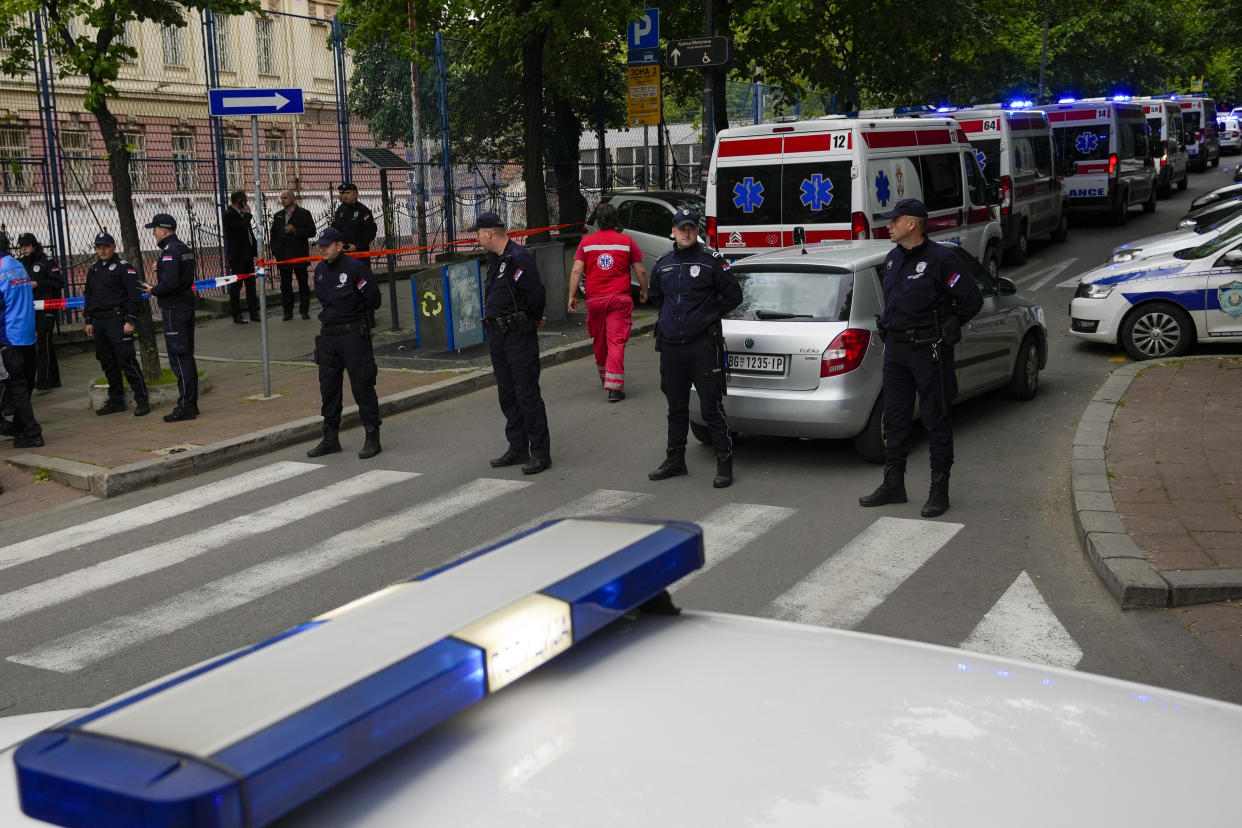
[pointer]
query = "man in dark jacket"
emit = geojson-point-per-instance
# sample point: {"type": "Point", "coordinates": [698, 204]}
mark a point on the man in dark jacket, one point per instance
{"type": "Point", "coordinates": [241, 249]}
{"type": "Point", "coordinates": [292, 230]}
{"type": "Point", "coordinates": [174, 287]}
{"type": "Point", "coordinates": [111, 312]}
{"type": "Point", "coordinates": [47, 282]}
{"type": "Point", "coordinates": [355, 221]}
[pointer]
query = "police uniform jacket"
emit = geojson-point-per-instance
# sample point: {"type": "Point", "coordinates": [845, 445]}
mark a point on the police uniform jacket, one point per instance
{"type": "Point", "coordinates": [356, 224]}
{"type": "Point", "coordinates": [345, 290]}
{"type": "Point", "coordinates": [925, 281]}
{"type": "Point", "coordinates": [174, 275]}
{"type": "Point", "coordinates": [296, 244]}
{"type": "Point", "coordinates": [111, 284]}
{"type": "Point", "coordinates": [42, 269]}
{"type": "Point", "coordinates": [695, 288]}
{"type": "Point", "coordinates": [240, 244]}
{"type": "Point", "coordinates": [513, 284]}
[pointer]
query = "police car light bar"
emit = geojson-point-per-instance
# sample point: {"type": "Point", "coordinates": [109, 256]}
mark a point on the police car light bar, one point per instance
{"type": "Point", "coordinates": [247, 737]}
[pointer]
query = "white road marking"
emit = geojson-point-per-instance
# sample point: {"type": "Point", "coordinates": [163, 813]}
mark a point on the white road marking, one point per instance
{"type": "Point", "coordinates": [729, 528]}
{"type": "Point", "coordinates": [74, 651]}
{"type": "Point", "coordinates": [149, 513]}
{"type": "Point", "coordinates": [599, 502]}
{"type": "Point", "coordinates": [1053, 272]}
{"type": "Point", "coordinates": [1021, 625]}
{"type": "Point", "coordinates": [141, 562]}
{"type": "Point", "coordinates": [850, 584]}
{"type": "Point", "coordinates": [1027, 268]}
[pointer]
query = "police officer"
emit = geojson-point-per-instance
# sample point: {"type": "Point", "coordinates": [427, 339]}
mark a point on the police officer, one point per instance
{"type": "Point", "coordinates": [47, 282]}
{"type": "Point", "coordinates": [695, 288]}
{"type": "Point", "coordinates": [17, 347]}
{"type": "Point", "coordinates": [174, 287]}
{"type": "Point", "coordinates": [927, 299]}
{"type": "Point", "coordinates": [513, 303]}
{"type": "Point", "coordinates": [347, 296]}
{"type": "Point", "coordinates": [355, 222]}
{"type": "Point", "coordinates": [111, 312]}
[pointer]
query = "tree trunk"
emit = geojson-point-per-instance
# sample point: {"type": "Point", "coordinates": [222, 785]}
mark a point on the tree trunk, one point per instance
{"type": "Point", "coordinates": [564, 154]}
{"type": "Point", "coordinates": [131, 249]}
{"type": "Point", "coordinates": [532, 133]}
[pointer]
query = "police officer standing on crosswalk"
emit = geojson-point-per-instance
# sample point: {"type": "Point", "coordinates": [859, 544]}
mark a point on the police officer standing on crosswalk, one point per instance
{"type": "Point", "coordinates": [111, 312]}
{"type": "Point", "coordinates": [927, 299]}
{"type": "Point", "coordinates": [695, 288]}
{"type": "Point", "coordinates": [174, 287]}
{"type": "Point", "coordinates": [348, 297]}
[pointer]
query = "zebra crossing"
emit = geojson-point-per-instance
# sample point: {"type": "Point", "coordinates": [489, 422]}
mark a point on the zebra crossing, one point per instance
{"type": "Point", "coordinates": [840, 592]}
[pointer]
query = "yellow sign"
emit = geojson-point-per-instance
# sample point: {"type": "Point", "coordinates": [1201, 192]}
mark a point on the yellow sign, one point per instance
{"type": "Point", "coordinates": [644, 96]}
{"type": "Point", "coordinates": [1196, 84]}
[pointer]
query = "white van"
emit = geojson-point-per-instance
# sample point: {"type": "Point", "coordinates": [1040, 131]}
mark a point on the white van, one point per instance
{"type": "Point", "coordinates": [1202, 142]}
{"type": "Point", "coordinates": [1014, 147]}
{"type": "Point", "coordinates": [1164, 119]}
{"type": "Point", "coordinates": [772, 184]}
{"type": "Point", "coordinates": [1107, 143]}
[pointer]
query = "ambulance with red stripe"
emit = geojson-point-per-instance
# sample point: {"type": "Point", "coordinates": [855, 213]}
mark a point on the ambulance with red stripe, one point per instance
{"type": "Point", "coordinates": [1202, 138]}
{"type": "Point", "coordinates": [1106, 143]}
{"type": "Point", "coordinates": [1014, 148]}
{"type": "Point", "coordinates": [1164, 122]}
{"type": "Point", "coordinates": [826, 179]}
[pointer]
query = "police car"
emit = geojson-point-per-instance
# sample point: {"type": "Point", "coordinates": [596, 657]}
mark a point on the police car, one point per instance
{"type": "Point", "coordinates": [1212, 213]}
{"type": "Point", "coordinates": [514, 689]}
{"type": "Point", "coordinates": [1159, 307]}
{"type": "Point", "coordinates": [1171, 242]}
{"type": "Point", "coordinates": [1219, 194]}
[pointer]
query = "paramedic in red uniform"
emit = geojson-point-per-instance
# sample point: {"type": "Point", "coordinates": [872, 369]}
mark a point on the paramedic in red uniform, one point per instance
{"type": "Point", "coordinates": [607, 256]}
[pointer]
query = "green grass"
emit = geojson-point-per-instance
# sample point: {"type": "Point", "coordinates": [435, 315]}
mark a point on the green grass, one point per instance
{"type": "Point", "coordinates": [43, 475]}
{"type": "Point", "coordinates": [167, 377]}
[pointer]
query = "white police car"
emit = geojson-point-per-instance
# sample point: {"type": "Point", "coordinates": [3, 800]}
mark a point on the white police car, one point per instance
{"type": "Point", "coordinates": [1173, 241]}
{"type": "Point", "coordinates": [1158, 307]}
{"type": "Point", "coordinates": [387, 713]}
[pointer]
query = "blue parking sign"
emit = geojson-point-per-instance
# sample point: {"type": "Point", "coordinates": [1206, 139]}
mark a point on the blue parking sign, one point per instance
{"type": "Point", "coordinates": [644, 33]}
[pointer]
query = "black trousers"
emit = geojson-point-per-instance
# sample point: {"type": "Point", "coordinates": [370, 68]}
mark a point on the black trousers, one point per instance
{"type": "Point", "coordinates": [909, 370]}
{"type": "Point", "coordinates": [252, 297]}
{"type": "Point", "coordinates": [286, 289]}
{"type": "Point", "coordinates": [19, 362]}
{"type": "Point", "coordinates": [336, 355]}
{"type": "Point", "coordinates": [695, 363]}
{"type": "Point", "coordinates": [115, 351]}
{"type": "Point", "coordinates": [47, 369]}
{"type": "Point", "coordinates": [179, 345]}
{"type": "Point", "coordinates": [515, 362]}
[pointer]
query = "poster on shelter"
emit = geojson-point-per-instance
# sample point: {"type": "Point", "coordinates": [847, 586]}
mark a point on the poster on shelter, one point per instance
{"type": "Point", "coordinates": [466, 301]}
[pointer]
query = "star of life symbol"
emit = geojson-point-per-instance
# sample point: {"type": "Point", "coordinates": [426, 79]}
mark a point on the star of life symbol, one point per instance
{"type": "Point", "coordinates": [1087, 142]}
{"type": "Point", "coordinates": [605, 261]}
{"type": "Point", "coordinates": [882, 192]}
{"type": "Point", "coordinates": [980, 158]}
{"type": "Point", "coordinates": [816, 192]}
{"type": "Point", "coordinates": [748, 194]}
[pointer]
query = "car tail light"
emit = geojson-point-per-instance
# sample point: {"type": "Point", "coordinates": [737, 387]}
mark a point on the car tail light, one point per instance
{"type": "Point", "coordinates": [845, 353]}
{"type": "Point", "coordinates": [860, 228]}
{"type": "Point", "coordinates": [1112, 164]}
{"type": "Point", "coordinates": [711, 233]}
{"type": "Point", "coordinates": [1006, 195]}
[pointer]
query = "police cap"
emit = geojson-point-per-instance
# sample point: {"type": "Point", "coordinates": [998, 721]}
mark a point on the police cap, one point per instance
{"type": "Point", "coordinates": [348, 186]}
{"type": "Point", "coordinates": [162, 220]}
{"type": "Point", "coordinates": [27, 239]}
{"type": "Point", "coordinates": [329, 235]}
{"type": "Point", "coordinates": [488, 219]}
{"type": "Point", "coordinates": [104, 238]}
{"type": "Point", "coordinates": [685, 216]}
{"type": "Point", "coordinates": [906, 207]}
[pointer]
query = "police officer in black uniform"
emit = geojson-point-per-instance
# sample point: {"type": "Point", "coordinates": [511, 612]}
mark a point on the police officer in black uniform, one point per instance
{"type": "Point", "coordinates": [927, 299]}
{"type": "Point", "coordinates": [354, 220]}
{"type": "Point", "coordinates": [174, 287]}
{"type": "Point", "coordinates": [513, 303]}
{"type": "Point", "coordinates": [111, 312]}
{"type": "Point", "coordinates": [347, 296]}
{"type": "Point", "coordinates": [47, 282]}
{"type": "Point", "coordinates": [695, 288]}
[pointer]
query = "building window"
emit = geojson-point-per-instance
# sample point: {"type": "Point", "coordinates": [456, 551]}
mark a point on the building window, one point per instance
{"type": "Point", "coordinates": [79, 170]}
{"type": "Point", "coordinates": [265, 45]}
{"type": "Point", "coordinates": [224, 42]}
{"type": "Point", "coordinates": [13, 156]}
{"type": "Point", "coordinates": [174, 51]}
{"type": "Point", "coordinates": [137, 143]}
{"type": "Point", "coordinates": [274, 151]}
{"type": "Point", "coordinates": [234, 172]}
{"type": "Point", "coordinates": [183, 162]}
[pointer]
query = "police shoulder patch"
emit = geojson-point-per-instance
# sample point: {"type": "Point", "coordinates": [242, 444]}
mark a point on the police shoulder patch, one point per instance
{"type": "Point", "coordinates": [37, 268]}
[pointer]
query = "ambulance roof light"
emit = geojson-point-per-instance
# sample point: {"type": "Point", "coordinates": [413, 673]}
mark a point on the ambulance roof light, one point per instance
{"type": "Point", "coordinates": [1068, 100]}
{"type": "Point", "coordinates": [1021, 104]}
{"type": "Point", "coordinates": [1123, 97]}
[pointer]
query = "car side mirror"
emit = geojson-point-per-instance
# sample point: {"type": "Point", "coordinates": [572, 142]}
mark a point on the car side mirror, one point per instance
{"type": "Point", "coordinates": [1005, 286]}
{"type": "Point", "coordinates": [1233, 258]}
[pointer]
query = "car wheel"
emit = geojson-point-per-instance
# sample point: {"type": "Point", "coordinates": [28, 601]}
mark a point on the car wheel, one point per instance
{"type": "Point", "coordinates": [1062, 232]}
{"type": "Point", "coordinates": [1157, 330]}
{"type": "Point", "coordinates": [1121, 213]}
{"type": "Point", "coordinates": [701, 433]}
{"type": "Point", "coordinates": [1025, 380]}
{"type": "Point", "coordinates": [1149, 206]}
{"type": "Point", "coordinates": [870, 442]}
{"type": "Point", "coordinates": [1018, 253]}
{"type": "Point", "coordinates": [991, 260]}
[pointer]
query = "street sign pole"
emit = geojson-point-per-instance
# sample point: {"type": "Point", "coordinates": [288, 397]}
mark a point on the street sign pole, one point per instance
{"type": "Point", "coordinates": [709, 106]}
{"type": "Point", "coordinates": [260, 235]}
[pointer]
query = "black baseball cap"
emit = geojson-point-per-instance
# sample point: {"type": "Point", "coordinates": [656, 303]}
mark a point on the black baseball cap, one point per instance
{"type": "Point", "coordinates": [329, 235]}
{"type": "Point", "coordinates": [104, 238]}
{"type": "Point", "coordinates": [162, 220]}
{"type": "Point", "coordinates": [488, 219]}
{"type": "Point", "coordinates": [27, 239]}
{"type": "Point", "coordinates": [685, 216]}
{"type": "Point", "coordinates": [347, 186]}
{"type": "Point", "coordinates": [905, 207]}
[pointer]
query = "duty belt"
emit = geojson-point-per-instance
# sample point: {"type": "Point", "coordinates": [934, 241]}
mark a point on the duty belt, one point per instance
{"type": "Point", "coordinates": [348, 327]}
{"type": "Point", "coordinates": [107, 313]}
{"type": "Point", "coordinates": [913, 335]}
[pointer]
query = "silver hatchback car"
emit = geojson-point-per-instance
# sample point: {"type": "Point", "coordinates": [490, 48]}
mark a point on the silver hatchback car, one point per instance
{"type": "Point", "coordinates": [805, 355]}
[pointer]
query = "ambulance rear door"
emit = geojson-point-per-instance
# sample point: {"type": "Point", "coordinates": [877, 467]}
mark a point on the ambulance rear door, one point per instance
{"type": "Point", "coordinates": [1083, 135]}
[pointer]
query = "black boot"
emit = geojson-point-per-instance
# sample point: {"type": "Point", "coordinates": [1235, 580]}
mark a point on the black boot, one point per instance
{"type": "Point", "coordinates": [371, 446]}
{"type": "Point", "coordinates": [674, 464]}
{"type": "Point", "coordinates": [330, 444]}
{"type": "Point", "coordinates": [938, 498]}
{"type": "Point", "coordinates": [724, 473]}
{"type": "Point", "coordinates": [892, 490]}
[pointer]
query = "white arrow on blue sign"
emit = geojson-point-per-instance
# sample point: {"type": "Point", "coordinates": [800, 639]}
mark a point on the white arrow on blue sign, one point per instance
{"type": "Point", "coordinates": [224, 102]}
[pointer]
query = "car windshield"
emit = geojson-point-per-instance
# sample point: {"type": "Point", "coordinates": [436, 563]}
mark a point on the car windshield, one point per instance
{"type": "Point", "coordinates": [1217, 210]}
{"type": "Point", "coordinates": [1082, 143]}
{"type": "Point", "coordinates": [1211, 248]}
{"type": "Point", "coordinates": [988, 155]}
{"type": "Point", "coordinates": [819, 295]}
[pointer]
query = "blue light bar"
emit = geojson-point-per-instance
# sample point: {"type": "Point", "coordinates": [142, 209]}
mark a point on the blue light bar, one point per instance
{"type": "Point", "coordinates": [1123, 97]}
{"type": "Point", "coordinates": [1068, 100]}
{"type": "Point", "coordinates": [1020, 104]}
{"type": "Point", "coordinates": [246, 738]}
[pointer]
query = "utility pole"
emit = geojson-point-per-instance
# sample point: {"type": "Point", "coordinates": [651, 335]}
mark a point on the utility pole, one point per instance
{"type": "Point", "coordinates": [420, 170]}
{"type": "Point", "coordinates": [709, 104]}
{"type": "Point", "coordinates": [1043, 53]}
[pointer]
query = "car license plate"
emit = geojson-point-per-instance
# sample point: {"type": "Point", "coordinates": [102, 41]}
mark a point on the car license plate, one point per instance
{"type": "Point", "coordinates": [757, 363]}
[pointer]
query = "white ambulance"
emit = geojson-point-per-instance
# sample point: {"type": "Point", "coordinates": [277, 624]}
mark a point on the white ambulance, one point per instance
{"type": "Point", "coordinates": [1014, 147]}
{"type": "Point", "coordinates": [1202, 141]}
{"type": "Point", "coordinates": [826, 179]}
{"type": "Point", "coordinates": [1107, 141]}
{"type": "Point", "coordinates": [1164, 119]}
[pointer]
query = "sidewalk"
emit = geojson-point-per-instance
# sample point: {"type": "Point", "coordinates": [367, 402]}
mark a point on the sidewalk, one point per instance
{"type": "Point", "coordinates": [103, 456]}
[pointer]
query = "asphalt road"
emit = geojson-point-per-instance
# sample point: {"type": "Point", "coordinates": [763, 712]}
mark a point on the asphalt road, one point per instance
{"type": "Point", "coordinates": [272, 546]}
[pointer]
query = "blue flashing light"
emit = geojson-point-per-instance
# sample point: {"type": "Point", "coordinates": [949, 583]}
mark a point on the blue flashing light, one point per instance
{"type": "Point", "coordinates": [1123, 97]}
{"type": "Point", "coordinates": [944, 109]}
{"type": "Point", "coordinates": [1021, 104]}
{"type": "Point", "coordinates": [1068, 100]}
{"type": "Point", "coordinates": [1003, 673]}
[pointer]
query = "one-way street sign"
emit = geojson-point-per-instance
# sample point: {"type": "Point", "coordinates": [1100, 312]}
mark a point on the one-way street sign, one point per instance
{"type": "Point", "coordinates": [224, 102]}
{"type": "Point", "coordinates": [698, 52]}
